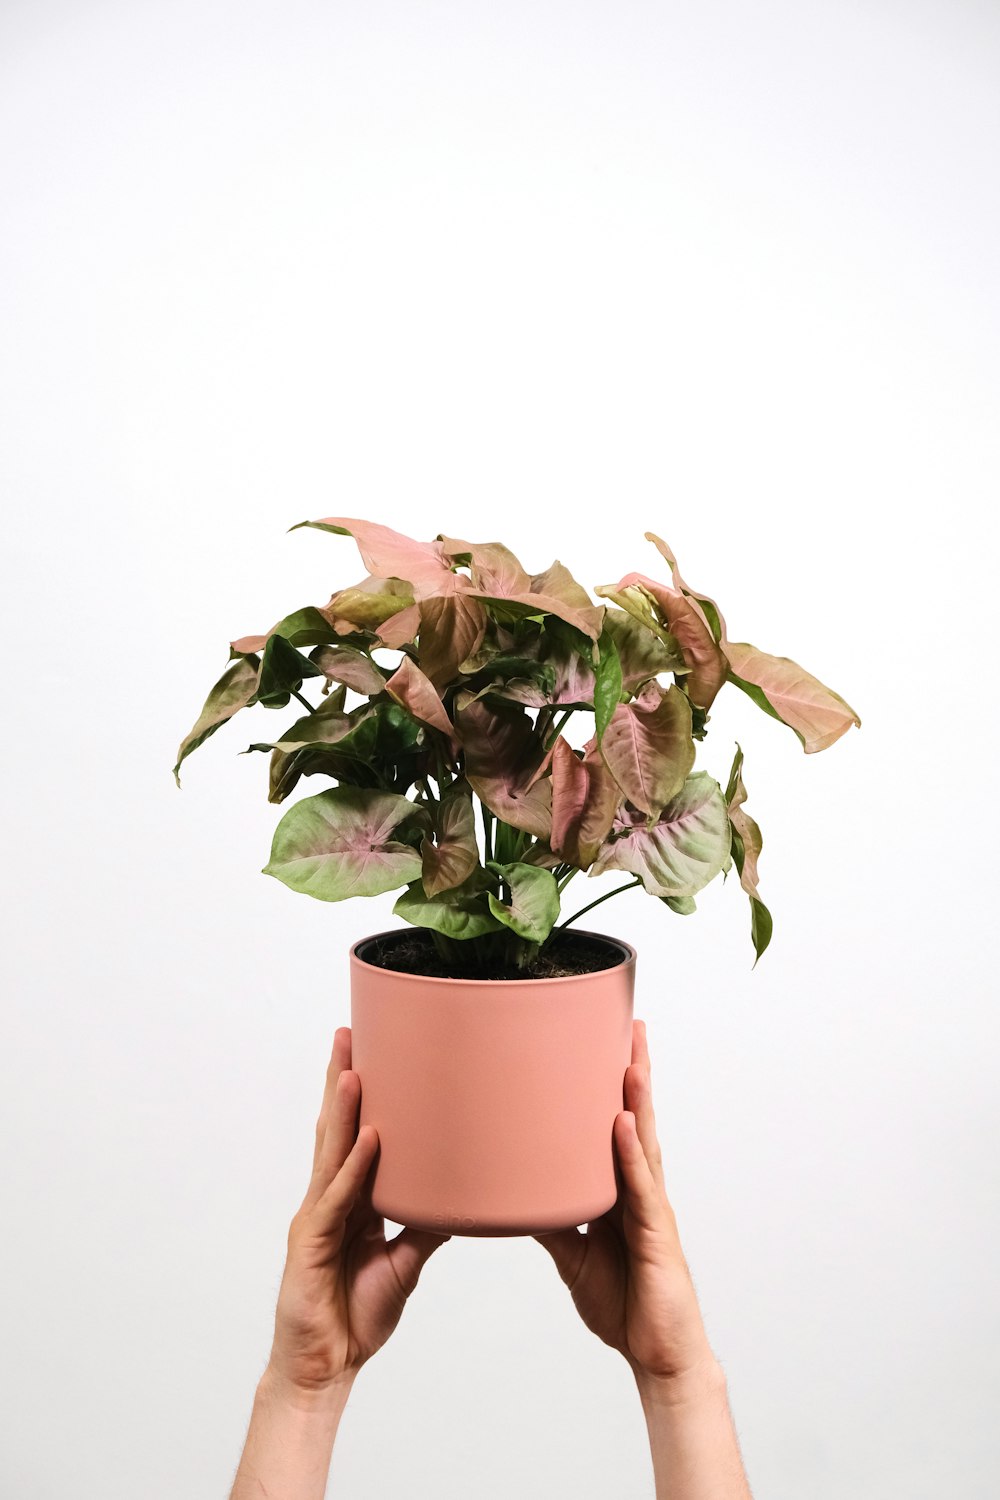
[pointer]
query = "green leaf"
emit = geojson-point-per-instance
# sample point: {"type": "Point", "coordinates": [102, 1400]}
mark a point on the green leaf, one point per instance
{"type": "Point", "coordinates": [761, 926]}
{"type": "Point", "coordinates": [233, 691]}
{"type": "Point", "coordinates": [374, 732]}
{"type": "Point", "coordinates": [339, 843]}
{"type": "Point", "coordinates": [682, 851]}
{"type": "Point", "coordinates": [684, 906]}
{"type": "Point", "coordinates": [303, 627]}
{"type": "Point", "coordinates": [458, 913]}
{"type": "Point", "coordinates": [607, 682]}
{"type": "Point", "coordinates": [282, 672]}
{"type": "Point", "coordinates": [747, 843]}
{"type": "Point", "coordinates": [533, 906]}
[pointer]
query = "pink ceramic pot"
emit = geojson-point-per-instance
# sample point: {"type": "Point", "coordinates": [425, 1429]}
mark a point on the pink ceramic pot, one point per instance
{"type": "Point", "coordinates": [494, 1100]}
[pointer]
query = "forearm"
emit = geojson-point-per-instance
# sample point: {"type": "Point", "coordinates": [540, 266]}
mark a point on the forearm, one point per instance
{"type": "Point", "coordinates": [696, 1455]}
{"type": "Point", "coordinates": [290, 1441]}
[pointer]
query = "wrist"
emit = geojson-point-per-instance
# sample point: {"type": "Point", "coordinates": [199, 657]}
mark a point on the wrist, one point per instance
{"type": "Point", "coordinates": [702, 1380]}
{"type": "Point", "coordinates": [276, 1388]}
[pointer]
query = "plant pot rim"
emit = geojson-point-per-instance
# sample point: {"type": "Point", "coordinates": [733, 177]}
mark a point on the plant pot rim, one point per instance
{"type": "Point", "coordinates": [628, 958]}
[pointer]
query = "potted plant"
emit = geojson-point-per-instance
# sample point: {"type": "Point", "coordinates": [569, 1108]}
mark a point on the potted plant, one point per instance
{"type": "Point", "coordinates": [491, 1034]}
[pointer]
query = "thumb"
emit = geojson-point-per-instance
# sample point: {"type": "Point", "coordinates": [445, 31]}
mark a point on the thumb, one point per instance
{"type": "Point", "coordinates": [410, 1251]}
{"type": "Point", "coordinates": [567, 1249]}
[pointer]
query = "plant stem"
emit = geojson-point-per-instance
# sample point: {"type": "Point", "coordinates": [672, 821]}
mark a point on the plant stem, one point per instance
{"type": "Point", "coordinates": [557, 729]}
{"type": "Point", "coordinates": [487, 840]}
{"type": "Point", "coordinates": [616, 892]}
{"type": "Point", "coordinates": [304, 701]}
{"type": "Point", "coordinates": [565, 880]}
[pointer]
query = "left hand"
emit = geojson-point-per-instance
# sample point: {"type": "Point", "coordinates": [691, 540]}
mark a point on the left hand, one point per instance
{"type": "Point", "coordinates": [344, 1286]}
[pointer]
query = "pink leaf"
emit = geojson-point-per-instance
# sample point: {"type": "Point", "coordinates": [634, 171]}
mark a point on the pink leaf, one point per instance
{"type": "Point", "coordinates": [585, 798]}
{"type": "Point", "coordinates": [502, 754]}
{"type": "Point", "coordinates": [685, 621]}
{"type": "Point", "coordinates": [648, 747]}
{"type": "Point", "coordinates": [453, 854]}
{"type": "Point", "coordinates": [419, 696]}
{"type": "Point", "coordinates": [817, 714]}
{"type": "Point", "coordinates": [451, 630]}
{"type": "Point", "coordinates": [426, 566]}
{"type": "Point", "coordinates": [400, 629]}
{"type": "Point", "coordinates": [678, 581]}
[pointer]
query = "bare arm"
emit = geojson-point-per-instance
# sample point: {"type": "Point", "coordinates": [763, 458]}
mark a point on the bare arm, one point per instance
{"type": "Point", "coordinates": [631, 1286]}
{"type": "Point", "coordinates": [342, 1294]}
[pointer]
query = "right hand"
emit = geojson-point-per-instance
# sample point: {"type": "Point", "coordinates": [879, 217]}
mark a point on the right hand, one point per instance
{"type": "Point", "coordinates": [627, 1274]}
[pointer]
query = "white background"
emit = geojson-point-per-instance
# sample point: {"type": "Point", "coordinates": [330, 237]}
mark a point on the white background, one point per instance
{"type": "Point", "coordinates": [553, 274]}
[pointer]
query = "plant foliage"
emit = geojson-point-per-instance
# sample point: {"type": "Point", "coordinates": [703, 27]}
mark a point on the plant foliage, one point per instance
{"type": "Point", "coordinates": [463, 670]}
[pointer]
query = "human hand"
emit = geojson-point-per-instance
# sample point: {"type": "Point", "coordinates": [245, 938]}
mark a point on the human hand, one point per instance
{"type": "Point", "coordinates": [344, 1286]}
{"type": "Point", "coordinates": [627, 1273]}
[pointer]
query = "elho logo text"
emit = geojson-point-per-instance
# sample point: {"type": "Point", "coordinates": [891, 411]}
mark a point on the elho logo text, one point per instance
{"type": "Point", "coordinates": [451, 1220]}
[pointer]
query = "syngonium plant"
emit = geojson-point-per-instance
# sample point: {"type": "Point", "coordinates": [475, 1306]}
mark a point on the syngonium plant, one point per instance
{"type": "Point", "coordinates": [490, 662]}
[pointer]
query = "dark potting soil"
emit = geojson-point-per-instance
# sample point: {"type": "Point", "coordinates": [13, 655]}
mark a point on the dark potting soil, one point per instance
{"type": "Point", "coordinates": [413, 952]}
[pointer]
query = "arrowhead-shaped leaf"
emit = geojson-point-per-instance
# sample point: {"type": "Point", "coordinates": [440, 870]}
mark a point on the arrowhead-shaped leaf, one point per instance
{"type": "Point", "coordinates": [641, 651]}
{"type": "Point", "coordinates": [390, 554]}
{"type": "Point", "coordinates": [786, 691]}
{"type": "Point", "coordinates": [710, 611]}
{"type": "Point", "coordinates": [682, 851]}
{"type": "Point", "coordinates": [607, 683]}
{"type": "Point", "coordinates": [339, 843]}
{"type": "Point", "coordinates": [282, 672]}
{"type": "Point", "coordinates": [648, 746]}
{"type": "Point", "coordinates": [585, 797]}
{"type": "Point", "coordinates": [747, 843]}
{"type": "Point", "coordinates": [502, 756]}
{"type": "Point", "coordinates": [368, 605]}
{"type": "Point", "coordinates": [353, 668]}
{"type": "Point", "coordinates": [453, 854]}
{"type": "Point", "coordinates": [420, 697]}
{"type": "Point", "coordinates": [451, 630]}
{"type": "Point", "coordinates": [233, 691]}
{"type": "Point", "coordinates": [459, 913]}
{"type": "Point", "coordinates": [532, 900]}
{"type": "Point", "coordinates": [305, 627]}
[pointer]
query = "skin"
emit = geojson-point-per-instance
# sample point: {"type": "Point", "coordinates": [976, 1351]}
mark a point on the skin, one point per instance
{"type": "Point", "coordinates": [345, 1286]}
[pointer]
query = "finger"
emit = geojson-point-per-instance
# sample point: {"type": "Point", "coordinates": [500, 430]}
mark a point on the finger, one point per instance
{"type": "Point", "coordinates": [341, 1128]}
{"type": "Point", "coordinates": [638, 1095]}
{"type": "Point", "coordinates": [642, 1192]}
{"type": "Point", "coordinates": [340, 1058]}
{"type": "Point", "coordinates": [331, 1209]}
{"type": "Point", "coordinates": [410, 1251]}
{"type": "Point", "coordinates": [567, 1249]}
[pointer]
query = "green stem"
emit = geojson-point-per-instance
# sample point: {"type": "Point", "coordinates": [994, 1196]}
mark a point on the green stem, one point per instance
{"type": "Point", "coordinates": [565, 879]}
{"type": "Point", "coordinates": [304, 701]}
{"type": "Point", "coordinates": [487, 839]}
{"type": "Point", "coordinates": [557, 729]}
{"type": "Point", "coordinates": [616, 892]}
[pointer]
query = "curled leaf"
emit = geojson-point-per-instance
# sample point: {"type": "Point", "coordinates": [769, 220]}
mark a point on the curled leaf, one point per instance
{"type": "Point", "coordinates": [233, 691]}
{"type": "Point", "coordinates": [786, 691]}
{"type": "Point", "coordinates": [682, 851]}
{"type": "Point", "coordinates": [529, 903]}
{"type": "Point", "coordinates": [426, 566]}
{"type": "Point", "coordinates": [420, 697]}
{"type": "Point", "coordinates": [450, 857]}
{"type": "Point", "coordinates": [585, 798]}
